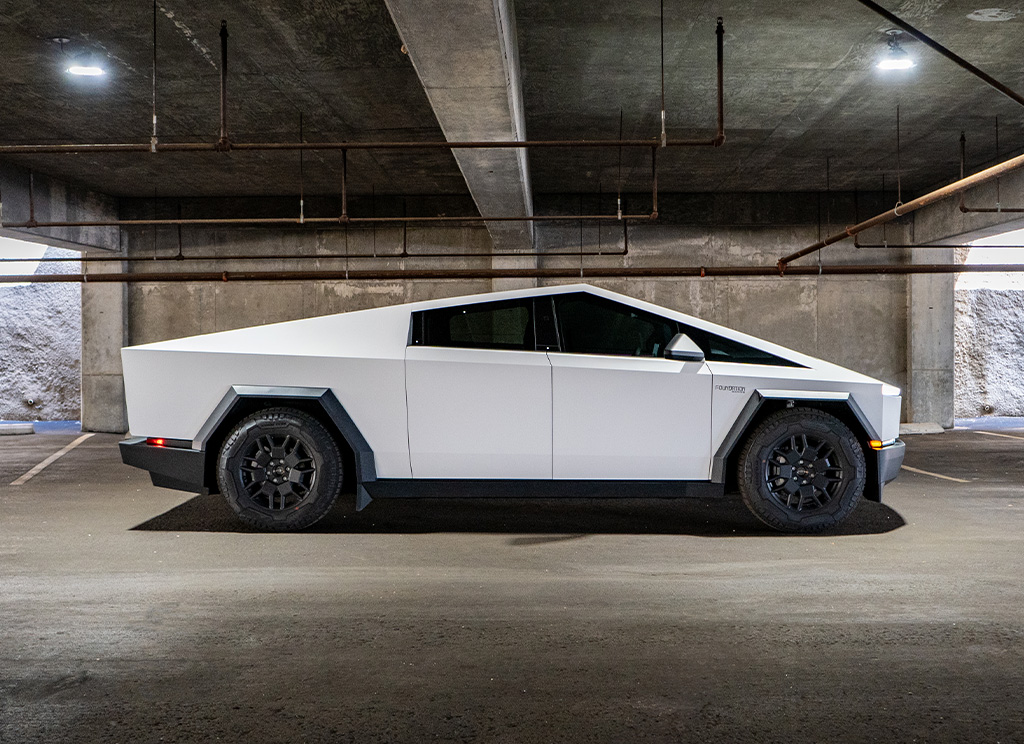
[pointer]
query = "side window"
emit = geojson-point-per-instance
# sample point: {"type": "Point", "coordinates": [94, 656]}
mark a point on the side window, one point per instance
{"type": "Point", "coordinates": [594, 325]}
{"type": "Point", "coordinates": [719, 349]}
{"type": "Point", "coordinates": [487, 325]}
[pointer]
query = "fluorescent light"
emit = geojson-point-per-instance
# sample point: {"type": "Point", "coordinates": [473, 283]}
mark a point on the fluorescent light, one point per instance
{"type": "Point", "coordinates": [895, 63]}
{"type": "Point", "coordinates": [86, 70]}
{"type": "Point", "coordinates": [88, 64]}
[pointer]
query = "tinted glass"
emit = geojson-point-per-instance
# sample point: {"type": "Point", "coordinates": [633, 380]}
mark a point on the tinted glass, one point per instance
{"type": "Point", "coordinates": [718, 349]}
{"type": "Point", "coordinates": [487, 325]}
{"type": "Point", "coordinates": [594, 325]}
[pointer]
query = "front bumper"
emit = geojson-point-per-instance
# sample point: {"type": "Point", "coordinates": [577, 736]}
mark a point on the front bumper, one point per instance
{"type": "Point", "coordinates": [169, 467]}
{"type": "Point", "coordinates": [883, 467]}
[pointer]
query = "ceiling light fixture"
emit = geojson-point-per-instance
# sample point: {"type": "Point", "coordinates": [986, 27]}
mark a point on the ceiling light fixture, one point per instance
{"type": "Point", "coordinates": [86, 70]}
{"type": "Point", "coordinates": [86, 65]}
{"type": "Point", "coordinates": [992, 15]}
{"type": "Point", "coordinates": [896, 58]}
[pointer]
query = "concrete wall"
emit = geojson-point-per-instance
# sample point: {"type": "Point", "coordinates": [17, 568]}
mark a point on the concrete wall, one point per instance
{"type": "Point", "coordinates": [866, 323]}
{"type": "Point", "coordinates": [897, 329]}
{"type": "Point", "coordinates": [40, 347]}
{"type": "Point", "coordinates": [158, 311]}
{"type": "Point", "coordinates": [856, 322]}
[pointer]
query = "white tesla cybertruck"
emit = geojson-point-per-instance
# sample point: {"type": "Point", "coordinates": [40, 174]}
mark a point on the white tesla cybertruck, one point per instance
{"type": "Point", "coordinates": [569, 390]}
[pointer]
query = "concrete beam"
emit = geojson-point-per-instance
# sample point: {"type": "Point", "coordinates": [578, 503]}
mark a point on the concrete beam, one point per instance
{"type": "Point", "coordinates": [54, 201]}
{"type": "Point", "coordinates": [466, 54]}
{"type": "Point", "coordinates": [944, 222]}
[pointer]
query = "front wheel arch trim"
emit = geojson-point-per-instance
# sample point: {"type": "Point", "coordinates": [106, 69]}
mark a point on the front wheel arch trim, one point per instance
{"type": "Point", "coordinates": [760, 399]}
{"type": "Point", "coordinates": [324, 399]}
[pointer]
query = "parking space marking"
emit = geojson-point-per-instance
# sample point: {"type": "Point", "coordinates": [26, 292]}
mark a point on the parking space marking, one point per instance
{"type": "Point", "coordinates": [49, 460]}
{"type": "Point", "coordinates": [994, 434]}
{"type": "Point", "coordinates": [934, 475]}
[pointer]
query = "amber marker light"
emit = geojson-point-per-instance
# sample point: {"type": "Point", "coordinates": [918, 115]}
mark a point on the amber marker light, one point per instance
{"type": "Point", "coordinates": [874, 444]}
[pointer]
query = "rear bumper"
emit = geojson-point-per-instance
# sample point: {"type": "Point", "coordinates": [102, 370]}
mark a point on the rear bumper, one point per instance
{"type": "Point", "coordinates": [884, 466]}
{"type": "Point", "coordinates": [169, 467]}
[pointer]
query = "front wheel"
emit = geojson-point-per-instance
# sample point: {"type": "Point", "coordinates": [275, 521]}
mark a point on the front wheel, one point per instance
{"type": "Point", "coordinates": [280, 469]}
{"type": "Point", "coordinates": [802, 470]}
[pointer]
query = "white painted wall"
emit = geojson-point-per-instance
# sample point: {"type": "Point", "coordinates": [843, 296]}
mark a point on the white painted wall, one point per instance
{"type": "Point", "coordinates": [989, 333]}
{"type": "Point", "coordinates": [40, 340]}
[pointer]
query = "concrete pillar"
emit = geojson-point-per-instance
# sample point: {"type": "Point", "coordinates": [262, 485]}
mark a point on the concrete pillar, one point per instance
{"type": "Point", "coordinates": [930, 343]}
{"type": "Point", "coordinates": [104, 322]}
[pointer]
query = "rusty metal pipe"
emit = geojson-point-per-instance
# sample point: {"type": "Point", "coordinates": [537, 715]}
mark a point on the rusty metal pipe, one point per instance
{"type": "Point", "coordinates": [324, 220]}
{"type": "Point", "coordinates": [175, 258]}
{"type": "Point", "coordinates": [898, 246]}
{"type": "Point", "coordinates": [991, 210]}
{"type": "Point", "coordinates": [654, 183]}
{"type": "Point", "coordinates": [899, 211]}
{"type": "Point", "coordinates": [720, 135]}
{"type": "Point", "coordinates": [936, 46]}
{"type": "Point", "coordinates": [963, 201]}
{"type": "Point", "coordinates": [537, 273]}
{"type": "Point", "coordinates": [80, 149]}
{"type": "Point", "coordinates": [344, 185]}
{"type": "Point", "coordinates": [224, 143]}
{"type": "Point", "coordinates": [31, 198]}
{"type": "Point", "coordinates": [307, 257]}
{"type": "Point", "coordinates": [100, 148]}
{"type": "Point", "coordinates": [470, 144]}
{"type": "Point", "coordinates": [153, 141]}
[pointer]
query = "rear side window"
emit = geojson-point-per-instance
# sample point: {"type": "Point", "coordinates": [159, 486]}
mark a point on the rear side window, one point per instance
{"type": "Point", "coordinates": [594, 325]}
{"type": "Point", "coordinates": [487, 325]}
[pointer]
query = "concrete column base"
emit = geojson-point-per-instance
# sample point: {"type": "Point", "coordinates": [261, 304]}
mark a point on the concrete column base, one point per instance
{"type": "Point", "coordinates": [103, 407]}
{"type": "Point", "coordinates": [104, 322]}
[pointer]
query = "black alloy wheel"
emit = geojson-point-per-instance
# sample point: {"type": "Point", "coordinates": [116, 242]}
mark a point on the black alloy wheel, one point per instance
{"type": "Point", "coordinates": [802, 470]}
{"type": "Point", "coordinates": [280, 469]}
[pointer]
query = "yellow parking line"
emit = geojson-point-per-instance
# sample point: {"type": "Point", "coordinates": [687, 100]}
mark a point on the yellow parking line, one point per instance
{"type": "Point", "coordinates": [994, 434]}
{"type": "Point", "coordinates": [934, 475]}
{"type": "Point", "coordinates": [56, 455]}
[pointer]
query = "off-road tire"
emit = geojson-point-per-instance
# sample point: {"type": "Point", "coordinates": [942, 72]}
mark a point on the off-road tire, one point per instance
{"type": "Point", "coordinates": [802, 471]}
{"type": "Point", "coordinates": [279, 470]}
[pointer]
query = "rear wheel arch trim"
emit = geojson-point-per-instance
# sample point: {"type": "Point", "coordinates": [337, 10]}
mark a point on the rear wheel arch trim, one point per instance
{"type": "Point", "coordinates": [748, 414]}
{"type": "Point", "coordinates": [365, 466]}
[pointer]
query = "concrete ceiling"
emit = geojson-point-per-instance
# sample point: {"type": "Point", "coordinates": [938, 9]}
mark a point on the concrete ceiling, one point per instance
{"type": "Point", "coordinates": [801, 87]}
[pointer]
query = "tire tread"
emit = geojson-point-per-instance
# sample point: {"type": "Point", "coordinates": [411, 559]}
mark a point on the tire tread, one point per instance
{"type": "Point", "coordinates": [750, 480]}
{"type": "Point", "coordinates": [331, 472]}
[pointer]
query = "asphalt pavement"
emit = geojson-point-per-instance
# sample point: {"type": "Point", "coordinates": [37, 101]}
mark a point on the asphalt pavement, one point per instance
{"type": "Point", "coordinates": [135, 614]}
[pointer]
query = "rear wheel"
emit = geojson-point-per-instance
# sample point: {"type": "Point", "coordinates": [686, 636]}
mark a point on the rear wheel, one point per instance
{"type": "Point", "coordinates": [802, 470]}
{"type": "Point", "coordinates": [280, 469]}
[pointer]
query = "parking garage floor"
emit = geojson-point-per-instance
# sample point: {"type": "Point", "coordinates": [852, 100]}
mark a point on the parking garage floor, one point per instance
{"type": "Point", "coordinates": [131, 613]}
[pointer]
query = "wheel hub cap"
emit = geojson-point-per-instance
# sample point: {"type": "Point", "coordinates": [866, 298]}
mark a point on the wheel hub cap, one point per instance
{"type": "Point", "coordinates": [277, 471]}
{"type": "Point", "coordinates": [803, 472]}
